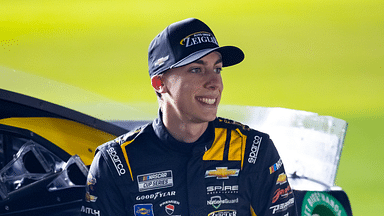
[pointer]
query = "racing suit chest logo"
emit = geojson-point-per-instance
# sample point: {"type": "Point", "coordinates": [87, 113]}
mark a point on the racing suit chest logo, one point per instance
{"type": "Point", "coordinates": [157, 180]}
{"type": "Point", "coordinates": [222, 173]}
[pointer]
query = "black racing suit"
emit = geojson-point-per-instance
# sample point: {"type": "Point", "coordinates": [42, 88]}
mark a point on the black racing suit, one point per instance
{"type": "Point", "coordinates": [231, 170]}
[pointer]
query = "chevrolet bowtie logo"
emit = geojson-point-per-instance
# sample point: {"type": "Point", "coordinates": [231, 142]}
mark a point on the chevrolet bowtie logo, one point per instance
{"type": "Point", "coordinates": [222, 173]}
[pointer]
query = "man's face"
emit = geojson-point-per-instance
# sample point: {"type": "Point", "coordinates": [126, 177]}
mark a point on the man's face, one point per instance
{"type": "Point", "coordinates": [193, 92]}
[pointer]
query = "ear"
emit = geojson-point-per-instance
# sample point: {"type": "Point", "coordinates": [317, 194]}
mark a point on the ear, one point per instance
{"type": "Point", "coordinates": [157, 83]}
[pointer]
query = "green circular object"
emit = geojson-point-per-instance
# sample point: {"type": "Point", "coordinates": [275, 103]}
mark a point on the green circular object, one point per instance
{"type": "Point", "coordinates": [317, 203]}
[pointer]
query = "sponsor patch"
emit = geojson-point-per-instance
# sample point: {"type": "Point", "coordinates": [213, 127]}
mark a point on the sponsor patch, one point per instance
{"type": "Point", "coordinates": [275, 166]}
{"type": "Point", "coordinates": [116, 161]}
{"type": "Point", "coordinates": [161, 61]}
{"type": "Point", "coordinates": [283, 193]}
{"type": "Point", "coordinates": [222, 189]}
{"type": "Point", "coordinates": [143, 210]}
{"type": "Point", "coordinates": [170, 206]}
{"type": "Point", "coordinates": [156, 195]}
{"type": "Point", "coordinates": [282, 179]}
{"type": "Point", "coordinates": [216, 201]}
{"type": "Point", "coordinates": [254, 149]}
{"type": "Point", "coordinates": [169, 209]}
{"type": "Point", "coordinates": [174, 202]}
{"type": "Point", "coordinates": [90, 211]}
{"type": "Point", "coordinates": [222, 173]}
{"type": "Point", "coordinates": [223, 213]}
{"type": "Point", "coordinates": [89, 197]}
{"type": "Point", "coordinates": [157, 180]}
{"type": "Point", "coordinates": [283, 206]}
{"type": "Point", "coordinates": [91, 182]}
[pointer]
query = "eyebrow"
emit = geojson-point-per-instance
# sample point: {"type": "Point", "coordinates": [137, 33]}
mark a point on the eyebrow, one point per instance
{"type": "Point", "coordinates": [220, 60]}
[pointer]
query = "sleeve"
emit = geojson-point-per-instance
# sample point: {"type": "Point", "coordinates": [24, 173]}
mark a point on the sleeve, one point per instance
{"type": "Point", "coordinates": [271, 193]}
{"type": "Point", "coordinates": [103, 197]}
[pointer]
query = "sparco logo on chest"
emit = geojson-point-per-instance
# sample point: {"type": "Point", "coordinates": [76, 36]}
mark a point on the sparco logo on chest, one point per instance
{"type": "Point", "coordinates": [116, 161]}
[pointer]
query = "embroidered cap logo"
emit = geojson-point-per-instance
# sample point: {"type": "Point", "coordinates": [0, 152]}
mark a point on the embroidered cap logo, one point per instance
{"type": "Point", "coordinates": [198, 38]}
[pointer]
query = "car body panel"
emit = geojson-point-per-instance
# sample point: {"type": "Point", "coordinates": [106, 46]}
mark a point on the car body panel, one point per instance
{"type": "Point", "coordinates": [72, 131]}
{"type": "Point", "coordinates": [73, 137]}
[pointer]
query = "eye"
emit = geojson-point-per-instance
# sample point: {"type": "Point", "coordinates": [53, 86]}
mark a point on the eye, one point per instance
{"type": "Point", "coordinates": [195, 70]}
{"type": "Point", "coordinates": [218, 70]}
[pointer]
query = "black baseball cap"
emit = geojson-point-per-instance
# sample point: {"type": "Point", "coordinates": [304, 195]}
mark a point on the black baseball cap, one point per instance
{"type": "Point", "coordinates": [184, 42]}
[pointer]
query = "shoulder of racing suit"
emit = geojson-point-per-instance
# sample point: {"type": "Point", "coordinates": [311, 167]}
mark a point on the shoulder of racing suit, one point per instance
{"type": "Point", "coordinates": [115, 155]}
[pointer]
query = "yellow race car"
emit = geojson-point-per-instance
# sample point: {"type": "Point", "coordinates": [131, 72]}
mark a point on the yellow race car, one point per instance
{"type": "Point", "coordinates": [45, 151]}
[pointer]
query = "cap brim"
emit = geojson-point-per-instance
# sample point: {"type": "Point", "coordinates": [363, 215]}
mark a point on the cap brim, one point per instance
{"type": "Point", "coordinates": [230, 55]}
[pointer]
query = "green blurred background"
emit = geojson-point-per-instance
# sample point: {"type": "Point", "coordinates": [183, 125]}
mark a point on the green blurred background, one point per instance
{"type": "Point", "coordinates": [320, 56]}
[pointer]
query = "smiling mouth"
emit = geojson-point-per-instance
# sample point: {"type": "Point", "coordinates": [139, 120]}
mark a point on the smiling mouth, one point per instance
{"type": "Point", "coordinates": [208, 101]}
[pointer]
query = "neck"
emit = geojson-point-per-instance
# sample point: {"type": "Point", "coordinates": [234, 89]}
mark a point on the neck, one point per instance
{"type": "Point", "coordinates": [182, 130]}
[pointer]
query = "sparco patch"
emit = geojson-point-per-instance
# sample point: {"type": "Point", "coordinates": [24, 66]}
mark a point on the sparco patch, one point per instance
{"type": "Point", "coordinates": [116, 161]}
{"type": "Point", "coordinates": [157, 180]}
{"type": "Point", "coordinates": [254, 149]}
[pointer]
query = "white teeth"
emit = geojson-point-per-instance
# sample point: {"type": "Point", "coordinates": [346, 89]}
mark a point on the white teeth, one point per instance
{"type": "Point", "coordinates": [207, 100]}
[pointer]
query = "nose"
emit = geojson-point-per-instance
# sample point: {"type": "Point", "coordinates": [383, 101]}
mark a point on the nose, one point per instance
{"type": "Point", "coordinates": [214, 81]}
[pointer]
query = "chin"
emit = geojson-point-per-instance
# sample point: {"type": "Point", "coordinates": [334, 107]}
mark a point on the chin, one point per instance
{"type": "Point", "coordinates": [209, 117]}
{"type": "Point", "coordinates": [201, 116]}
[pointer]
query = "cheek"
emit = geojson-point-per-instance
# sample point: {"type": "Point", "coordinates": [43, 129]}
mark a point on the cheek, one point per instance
{"type": "Point", "coordinates": [181, 92]}
{"type": "Point", "coordinates": [188, 86]}
{"type": "Point", "coordinates": [195, 85]}
{"type": "Point", "coordinates": [173, 85]}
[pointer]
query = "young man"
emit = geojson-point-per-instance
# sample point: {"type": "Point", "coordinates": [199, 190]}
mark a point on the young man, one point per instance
{"type": "Point", "coordinates": [188, 161]}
